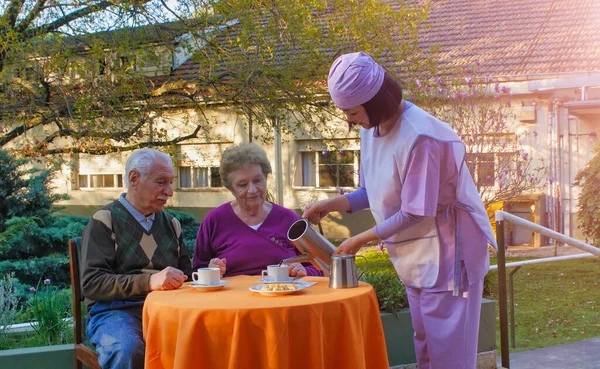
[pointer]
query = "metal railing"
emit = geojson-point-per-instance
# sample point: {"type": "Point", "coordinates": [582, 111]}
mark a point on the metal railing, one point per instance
{"type": "Point", "coordinates": [501, 217]}
{"type": "Point", "coordinates": [28, 327]}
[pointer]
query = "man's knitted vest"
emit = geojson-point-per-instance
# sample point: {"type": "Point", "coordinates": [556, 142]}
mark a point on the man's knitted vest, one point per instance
{"type": "Point", "coordinates": [137, 249]}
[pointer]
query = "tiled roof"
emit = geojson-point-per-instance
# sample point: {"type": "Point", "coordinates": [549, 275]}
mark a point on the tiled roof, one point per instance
{"type": "Point", "coordinates": [515, 38]}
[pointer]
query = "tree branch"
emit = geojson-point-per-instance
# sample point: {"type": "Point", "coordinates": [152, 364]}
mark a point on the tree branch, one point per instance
{"type": "Point", "coordinates": [77, 14]}
{"type": "Point", "coordinates": [111, 149]}
{"type": "Point", "coordinates": [14, 133]}
{"type": "Point", "coordinates": [20, 130]}
{"type": "Point", "coordinates": [126, 134]}
{"type": "Point", "coordinates": [33, 14]}
{"type": "Point", "coordinates": [11, 13]}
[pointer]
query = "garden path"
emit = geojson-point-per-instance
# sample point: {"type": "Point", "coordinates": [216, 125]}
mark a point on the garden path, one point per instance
{"type": "Point", "coordinates": [575, 355]}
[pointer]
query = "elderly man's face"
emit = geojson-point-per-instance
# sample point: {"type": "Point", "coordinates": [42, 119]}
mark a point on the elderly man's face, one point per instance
{"type": "Point", "coordinates": [153, 191]}
{"type": "Point", "coordinates": [249, 186]}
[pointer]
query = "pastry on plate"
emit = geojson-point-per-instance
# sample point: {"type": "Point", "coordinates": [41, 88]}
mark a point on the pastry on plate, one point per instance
{"type": "Point", "coordinates": [279, 287]}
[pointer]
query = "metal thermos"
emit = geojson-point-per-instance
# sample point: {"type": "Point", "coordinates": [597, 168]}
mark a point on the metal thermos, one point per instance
{"type": "Point", "coordinates": [313, 246]}
{"type": "Point", "coordinates": [343, 271]}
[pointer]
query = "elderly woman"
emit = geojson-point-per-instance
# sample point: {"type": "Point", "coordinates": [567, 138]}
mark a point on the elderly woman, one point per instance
{"type": "Point", "coordinates": [247, 234]}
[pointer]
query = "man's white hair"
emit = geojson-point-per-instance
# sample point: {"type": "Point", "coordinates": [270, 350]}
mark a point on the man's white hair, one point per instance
{"type": "Point", "coordinates": [142, 160]}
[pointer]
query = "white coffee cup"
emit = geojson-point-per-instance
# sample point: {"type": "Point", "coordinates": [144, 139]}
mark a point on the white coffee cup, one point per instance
{"type": "Point", "coordinates": [207, 276]}
{"type": "Point", "coordinates": [276, 273]}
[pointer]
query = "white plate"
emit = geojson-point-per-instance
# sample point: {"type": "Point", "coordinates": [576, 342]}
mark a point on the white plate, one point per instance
{"type": "Point", "coordinates": [207, 287]}
{"type": "Point", "coordinates": [291, 280]}
{"type": "Point", "coordinates": [299, 287]}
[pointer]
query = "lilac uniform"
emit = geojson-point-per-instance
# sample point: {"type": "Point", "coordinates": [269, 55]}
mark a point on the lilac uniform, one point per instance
{"type": "Point", "coordinates": [223, 234]}
{"type": "Point", "coordinates": [445, 328]}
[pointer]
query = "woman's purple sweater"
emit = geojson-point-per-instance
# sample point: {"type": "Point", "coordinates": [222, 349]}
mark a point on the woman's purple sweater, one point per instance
{"type": "Point", "coordinates": [223, 235]}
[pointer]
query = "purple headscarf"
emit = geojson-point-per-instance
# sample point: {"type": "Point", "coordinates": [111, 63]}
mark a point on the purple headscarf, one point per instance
{"type": "Point", "coordinates": [354, 79]}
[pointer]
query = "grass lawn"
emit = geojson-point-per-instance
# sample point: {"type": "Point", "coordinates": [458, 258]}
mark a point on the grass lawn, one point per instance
{"type": "Point", "coordinates": [555, 303]}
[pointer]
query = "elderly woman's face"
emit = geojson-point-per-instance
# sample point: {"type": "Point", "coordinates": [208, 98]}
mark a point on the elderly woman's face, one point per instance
{"type": "Point", "coordinates": [249, 185]}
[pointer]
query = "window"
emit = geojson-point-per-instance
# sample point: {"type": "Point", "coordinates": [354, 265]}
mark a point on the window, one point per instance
{"type": "Point", "coordinates": [185, 177]}
{"type": "Point", "coordinates": [482, 168]}
{"type": "Point", "coordinates": [199, 177]}
{"type": "Point", "coordinates": [329, 169]}
{"type": "Point", "coordinates": [100, 181]}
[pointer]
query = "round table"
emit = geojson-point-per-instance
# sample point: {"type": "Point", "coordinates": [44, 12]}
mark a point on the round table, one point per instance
{"type": "Point", "coordinates": [234, 328]}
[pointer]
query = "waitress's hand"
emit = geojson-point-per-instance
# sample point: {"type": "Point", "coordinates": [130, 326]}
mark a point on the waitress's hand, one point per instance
{"type": "Point", "coordinates": [316, 211]}
{"type": "Point", "coordinates": [296, 270]}
{"type": "Point", "coordinates": [349, 247]}
{"type": "Point", "coordinates": [218, 263]}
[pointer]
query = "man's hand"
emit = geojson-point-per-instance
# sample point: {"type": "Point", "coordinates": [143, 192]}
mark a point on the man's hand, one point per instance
{"type": "Point", "coordinates": [218, 263]}
{"type": "Point", "coordinates": [167, 279]}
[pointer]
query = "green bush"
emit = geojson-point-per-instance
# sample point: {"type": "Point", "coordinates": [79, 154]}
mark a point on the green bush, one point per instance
{"type": "Point", "coordinates": [589, 202]}
{"type": "Point", "coordinates": [189, 228]}
{"type": "Point", "coordinates": [380, 273]}
{"type": "Point", "coordinates": [390, 291]}
{"type": "Point", "coordinates": [24, 192]}
{"type": "Point", "coordinates": [33, 241]}
{"type": "Point", "coordinates": [33, 237]}
{"type": "Point", "coordinates": [28, 271]}
{"type": "Point", "coordinates": [9, 306]}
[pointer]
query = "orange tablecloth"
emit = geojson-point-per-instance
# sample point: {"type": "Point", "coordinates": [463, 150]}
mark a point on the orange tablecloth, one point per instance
{"type": "Point", "coordinates": [235, 328]}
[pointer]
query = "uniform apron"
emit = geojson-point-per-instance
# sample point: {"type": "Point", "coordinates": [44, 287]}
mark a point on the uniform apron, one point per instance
{"type": "Point", "coordinates": [415, 252]}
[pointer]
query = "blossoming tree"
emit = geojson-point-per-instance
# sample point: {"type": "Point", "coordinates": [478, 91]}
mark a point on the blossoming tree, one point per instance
{"type": "Point", "coordinates": [500, 152]}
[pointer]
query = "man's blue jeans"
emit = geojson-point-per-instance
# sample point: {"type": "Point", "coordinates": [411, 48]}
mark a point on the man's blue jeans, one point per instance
{"type": "Point", "coordinates": [115, 328]}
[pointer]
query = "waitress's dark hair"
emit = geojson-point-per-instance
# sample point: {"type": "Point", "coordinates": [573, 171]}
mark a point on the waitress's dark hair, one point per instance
{"type": "Point", "coordinates": [385, 103]}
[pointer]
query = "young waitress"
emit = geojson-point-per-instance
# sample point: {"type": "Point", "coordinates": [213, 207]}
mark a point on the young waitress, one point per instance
{"type": "Point", "coordinates": [414, 179]}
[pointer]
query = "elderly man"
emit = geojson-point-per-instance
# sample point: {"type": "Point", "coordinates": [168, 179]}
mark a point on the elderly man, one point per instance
{"type": "Point", "coordinates": [131, 247]}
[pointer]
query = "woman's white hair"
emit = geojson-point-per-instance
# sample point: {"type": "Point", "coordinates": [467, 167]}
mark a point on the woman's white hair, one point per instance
{"type": "Point", "coordinates": [142, 161]}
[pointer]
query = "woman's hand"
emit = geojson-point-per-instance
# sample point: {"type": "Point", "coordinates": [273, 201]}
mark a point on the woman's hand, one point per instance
{"type": "Point", "coordinates": [349, 247]}
{"type": "Point", "coordinates": [316, 211]}
{"type": "Point", "coordinates": [353, 244]}
{"type": "Point", "coordinates": [296, 270]}
{"type": "Point", "coordinates": [218, 263]}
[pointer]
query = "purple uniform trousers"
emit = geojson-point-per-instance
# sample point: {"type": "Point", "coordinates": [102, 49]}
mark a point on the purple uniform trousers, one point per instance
{"type": "Point", "coordinates": [446, 327]}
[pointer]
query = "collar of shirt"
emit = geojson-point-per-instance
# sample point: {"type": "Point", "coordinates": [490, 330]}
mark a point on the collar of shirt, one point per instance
{"type": "Point", "coordinates": [141, 218]}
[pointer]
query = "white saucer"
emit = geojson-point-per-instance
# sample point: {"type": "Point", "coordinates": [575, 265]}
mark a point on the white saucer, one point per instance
{"type": "Point", "coordinates": [290, 280]}
{"type": "Point", "coordinates": [209, 287]}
